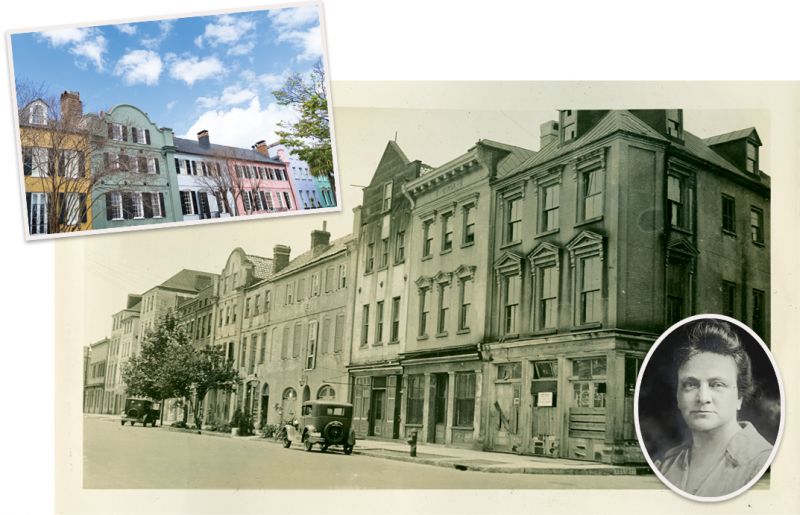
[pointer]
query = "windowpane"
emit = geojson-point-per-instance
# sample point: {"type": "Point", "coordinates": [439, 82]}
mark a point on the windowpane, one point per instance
{"type": "Point", "coordinates": [424, 294]}
{"type": "Point", "coordinates": [447, 232]}
{"type": "Point", "coordinates": [728, 214]}
{"type": "Point", "coordinates": [513, 220]}
{"type": "Point", "coordinates": [464, 399]}
{"type": "Point", "coordinates": [550, 207]}
{"type": "Point", "coordinates": [469, 224]}
{"type": "Point", "coordinates": [756, 225]}
{"type": "Point", "coordinates": [590, 289]}
{"type": "Point", "coordinates": [548, 301]}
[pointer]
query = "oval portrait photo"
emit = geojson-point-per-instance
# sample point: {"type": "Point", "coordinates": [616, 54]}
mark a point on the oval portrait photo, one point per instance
{"type": "Point", "coordinates": [709, 408]}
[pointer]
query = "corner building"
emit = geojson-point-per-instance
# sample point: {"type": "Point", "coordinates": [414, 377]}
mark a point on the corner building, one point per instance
{"type": "Point", "coordinates": [621, 225]}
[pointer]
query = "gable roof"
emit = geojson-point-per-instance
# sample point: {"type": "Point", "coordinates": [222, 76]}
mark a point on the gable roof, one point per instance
{"type": "Point", "coordinates": [517, 155]}
{"type": "Point", "coordinates": [732, 136]}
{"type": "Point", "coordinates": [262, 266]}
{"type": "Point", "coordinates": [308, 257]}
{"type": "Point", "coordinates": [188, 280]}
{"type": "Point", "coordinates": [188, 146]}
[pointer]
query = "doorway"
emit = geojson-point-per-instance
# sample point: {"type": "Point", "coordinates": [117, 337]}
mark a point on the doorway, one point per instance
{"type": "Point", "coordinates": [438, 409]}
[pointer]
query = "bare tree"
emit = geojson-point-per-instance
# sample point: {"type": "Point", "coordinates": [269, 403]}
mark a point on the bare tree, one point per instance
{"type": "Point", "coordinates": [242, 184]}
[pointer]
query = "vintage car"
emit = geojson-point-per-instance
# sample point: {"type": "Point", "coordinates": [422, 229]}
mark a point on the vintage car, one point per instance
{"type": "Point", "coordinates": [141, 410]}
{"type": "Point", "coordinates": [325, 423]}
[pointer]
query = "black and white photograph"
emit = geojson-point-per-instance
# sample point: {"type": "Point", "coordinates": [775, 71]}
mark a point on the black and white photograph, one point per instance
{"type": "Point", "coordinates": [710, 408]}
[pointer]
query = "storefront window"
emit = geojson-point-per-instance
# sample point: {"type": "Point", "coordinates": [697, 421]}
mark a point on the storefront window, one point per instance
{"type": "Point", "coordinates": [416, 398]}
{"type": "Point", "coordinates": [464, 400]}
{"type": "Point", "coordinates": [509, 371]}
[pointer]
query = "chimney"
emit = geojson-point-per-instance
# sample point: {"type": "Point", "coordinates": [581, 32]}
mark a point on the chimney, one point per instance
{"type": "Point", "coordinates": [320, 240]}
{"type": "Point", "coordinates": [203, 139]}
{"type": "Point", "coordinates": [548, 133]}
{"type": "Point", "coordinates": [261, 147]}
{"type": "Point", "coordinates": [357, 220]}
{"type": "Point", "coordinates": [71, 105]}
{"type": "Point", "coordinates": [280, 257]}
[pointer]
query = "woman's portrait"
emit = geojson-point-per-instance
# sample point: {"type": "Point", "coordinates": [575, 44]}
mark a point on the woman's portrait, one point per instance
{"type": "Point", "coordinates": [708, 406]}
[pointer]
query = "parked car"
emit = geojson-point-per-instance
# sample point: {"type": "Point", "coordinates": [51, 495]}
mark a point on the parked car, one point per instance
{"type": "Point", "coordinates": [141, 410]}
{"type": "Point", "coordinates": [325, 423]}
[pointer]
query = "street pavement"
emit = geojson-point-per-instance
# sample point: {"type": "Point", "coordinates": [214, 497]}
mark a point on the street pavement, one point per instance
{"type": "Point", "coordinates": [118, 456]}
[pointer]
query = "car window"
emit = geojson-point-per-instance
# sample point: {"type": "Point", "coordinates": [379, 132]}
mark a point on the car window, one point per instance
{"type": "Point", "coordinates": [336, 411]}
{"type": "Point", "coordinates": [306, 410]}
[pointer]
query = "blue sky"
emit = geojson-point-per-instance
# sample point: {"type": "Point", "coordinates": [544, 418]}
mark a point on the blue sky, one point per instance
{"type": "Point", "coordinates": [211, 72]}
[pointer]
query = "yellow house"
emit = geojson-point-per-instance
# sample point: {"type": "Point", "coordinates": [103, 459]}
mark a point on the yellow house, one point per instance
{"type": "Point", "coordinates": [56, 165]}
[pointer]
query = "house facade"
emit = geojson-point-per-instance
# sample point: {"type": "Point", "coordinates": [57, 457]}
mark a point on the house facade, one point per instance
{"type": "Point", "coordinates": [56, 151]}
{"type": "Point", "coordinates": [303, 183]}
{"type": "Point", "coordinates": [94, 383]}
{"type": "Point", "coordinates": [203, 180]}
{"type": "Point", "coordinates": [125, 331]}
{"type": "Point", "coordinates": [135, 182]}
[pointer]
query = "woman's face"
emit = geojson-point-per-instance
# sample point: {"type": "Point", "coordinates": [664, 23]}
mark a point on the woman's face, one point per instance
{"type": "Point", "coordinates": [707, 394]}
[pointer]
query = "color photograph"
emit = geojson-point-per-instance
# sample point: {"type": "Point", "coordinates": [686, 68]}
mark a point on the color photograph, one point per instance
{"type": "Point", "coordinates": [170, 121]}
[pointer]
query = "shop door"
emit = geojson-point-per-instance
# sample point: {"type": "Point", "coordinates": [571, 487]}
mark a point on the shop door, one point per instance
{"type": "Point", "coordinates": [378, 413]}
{"type": "Point", "coordinates": [587, 410]}
{"type": "Point", "coordinates": [545, 426]}
{"type": "Point", "coordinates": [439, 407]}
{"type": "Point", "coordinates": [504, 418]}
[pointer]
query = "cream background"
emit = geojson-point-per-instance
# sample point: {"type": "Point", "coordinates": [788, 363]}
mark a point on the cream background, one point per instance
{"type": "Point", "coordinates": [419, 40]}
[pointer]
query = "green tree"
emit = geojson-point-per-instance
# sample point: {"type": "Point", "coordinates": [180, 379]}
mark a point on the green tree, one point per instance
{"type": "Point", "coordinates": [310, 136]}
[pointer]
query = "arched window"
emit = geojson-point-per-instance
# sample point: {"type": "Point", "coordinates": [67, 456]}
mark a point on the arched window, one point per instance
{"type": "Point", "coordinates": [326, 393]}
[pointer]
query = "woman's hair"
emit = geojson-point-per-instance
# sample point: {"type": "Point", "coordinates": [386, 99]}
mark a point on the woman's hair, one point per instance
{"type": "Point", "coordinates": [717, 336]}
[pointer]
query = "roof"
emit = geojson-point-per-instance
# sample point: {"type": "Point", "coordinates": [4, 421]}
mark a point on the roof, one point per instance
{"type": "Point", "coordinates": [700, 148]}
{"type": "Point", "coordinates": [517, 156]}
{"type": "Point", "coordinates": [262, 267]}
{"type": "Point", "coordinates": [187, 280]}
{"type": "Point", "coordinates": [732, 136]}
{"type": "Point", "coordinates": [612, 122]}
{"type": "Point", "coordinates": [189, 146]}
{"type": "Point", "coordinates": [308, 257]}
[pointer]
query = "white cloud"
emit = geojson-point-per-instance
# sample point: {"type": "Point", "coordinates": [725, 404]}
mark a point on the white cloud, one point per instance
{"type": "Point", "coordinates": [293, 18]}
{"type": "Point", "coordinates": [198, 41]}
{"type": "Point", "coordinates": [232, 95]}
{"type": "Point", "coordinates": [127, 28]}
{"type": "Point", "coordinates": [88, 44]}
{"type": "Point", "coordinates": [170, 105]}
{"type": "Point", "coordinates": [192, 69]}
{"type": "Point", "coordinates": [92, 49]}
{"type": "Point", "coordinates": [139, 66]}
{"type": "Point", "coordinates": [273, 81]}
{"type": "Point", "coordinates": [164, 28]}
{"type": "Point", "coordinates": [64, 36]}
{"type": "Point", "coordinates": [228, 30]}
{"type": "Point", "coordinates": [310, 42]}
{"type": "Point", "coordinates": [242, 49]}
{"type": "Point", "coordinates": [241, 127]}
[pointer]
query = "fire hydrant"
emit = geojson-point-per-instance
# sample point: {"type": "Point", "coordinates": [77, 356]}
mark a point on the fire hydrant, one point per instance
{"type": "Point", "coordinates": [412, 441]}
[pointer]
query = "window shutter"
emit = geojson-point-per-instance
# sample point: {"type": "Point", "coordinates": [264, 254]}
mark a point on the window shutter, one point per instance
{"type": "Point", "coordinates": [143, 165]}
{"type": "Point", "coordinates": [62, 208]}
{"type": "Point", "coordinates": [82, 206]}
{"type": "Point", "coordinates": [105, 161]}
{"type": "Point", "coordinates": [161, 204]}
{"type": "Point", "coordinates": [158, 169]}
{"type": "Point", "coordinates": [62, 168]}
{"type": "Point", "coordinates": [109, 204]}
{"type": "Point", "coordinates": [110, 131]}
{"type": "Point", "coordinates": [194, 201]}
{"type": "Point", "coordinates": [82, 165]}
{"type": "Point", "coordinates": [147, 136]}
{"type": "Point", "coordinates": [127, 205]}
{"type": "Point", "coordinates": [134, 132]}
{"type": "Point", "coordinates": [51, 161]}
{"type": "Point", "coordinates": [188, 167]}
{"type": "Point", "coordinates": [28, 203]}
{"type": "Point", "coordinates": [124, 133]}
{"type": "Point", "coordinates": [177, 165]}
{"type": "Point", "coordinates": [27, 161]}
{"type": "Point", "coordinates": [194, 167]}
{"type": "Point", "coordinates": [147, 204]}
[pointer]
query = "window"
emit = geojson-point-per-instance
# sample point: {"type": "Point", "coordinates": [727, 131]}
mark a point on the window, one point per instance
{"type": "Point", "coordinates": [314, 285]}
{"type": "Point", "coordinates": [447, 232]}
{"type": "Point", "coordinates": [338, 334]}
{"type": "Point", "coordinates": [416, 399]}
{"type": "Point", "coordinates": [267, 300]}
{"type": "Point", "coordinates": [37, 213]}
{"type": "Point", "coordinates": [311, 355]}
{"type": "Point", "coordinates": [395, 336]}
{"type": "Point", "coordinates": [400, 247]}
{"type": "Point", "coordinates": [728, 214]}
{"type": "Point", "coordinates": [756, 225]}
{"type": "Point", "coordinates": [568, 125]}
{"type": "Point", "coordinates": [513, 220]}
{"type": "Point", "coordinates": [247, 307]}
{"type": "Point", "coordinates": [370, 258]}
{"type": "Point", "coordinates": [138, 206]}
{"type": "Point", "coordinates": [675, 201]}
{"type": "Point", "coordinates": [326, 393]}
{"type": "Point", "coordinates": [262, 351]}
{"type": "Point", "coordinates": [72, 209]}
{"type": "Point", "coordinates": [117, 132]}
{"type": "Point", "coordinates": [444, 308]}
{"type": "Point", "coordinates": [589, 383]}
{"type": "Point", "coordinates": [342, 276]}
{"type": "Point", "coordinates": [38, 114]}
{"type": "Point", "coordinates": [325, 337]}
{"type": "Point", "coordinates": [188, 203]}
{"type": "Point", "coordinates": [70, 163]}
{"type": "Point", "coordinates": [114, 207]}
{"type": "Point", "coordinates": [387, 197]}
{"type": "Point", "coordinates": [285, 343]}
{"type": "Point", "coordinates": [329, 279]}
{"type": "Point", "coordinates": [592, 188]}
{"type": "Point", "coordinates": [379, 323]}
{"type": "Point", "coordinates": [511, 298]}
{"type": "Point", "coordinates": [728, 298]}
{"type": "Point", "coordinates": [550, 204]}
{"type": "Point", "coordinates": [465, 302]}
{"type": "Point", "coordinates": [247, 200]}
{"type": "Point", "coordinates": [676, 291]}
{"type": "Point", "coordinates": [40, 165]}
{"type": "Point", "coordinates": [424, 311]}
{"type": "Point", "coordinates": [751, 164]}
{"type": "Point", "coordinates": [384, 252]}
{"type": "Point", "coordinates": [464, 402]}
{"type": "Point", "coordinates": [242, 352]}
{"type": "Point", "coordinates": [298, 338]}
{"type": "Point", "coordinates": [427, 238]}
{"type": "Point", "coordinates": [590, 282]}
{"type": "Point", "coordinates": [301, 289]}
{"type": "Point", "coordinates": [759, 312]}
{"type": "Point", "coordinates": [365, 324]}
{"type": "Point", "coordinates": [546, 298]}
{"type": "Point", "coordinates": [469, 224]}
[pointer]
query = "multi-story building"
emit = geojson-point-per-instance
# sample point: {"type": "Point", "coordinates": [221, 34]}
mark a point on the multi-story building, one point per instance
{"type": "Point", "coordinates": [303, 183]}
{"type": "Point", "coordinates": [306, 310]}
{"type": "Point", "coordinates": [448, 278]}
{"type": "Point", "coordinates": [196, 315]}
{"type": "Point", "coordinates": [381, 283]}
{"type": "Point", "coordinates": [94, 382]}
{"type": "Point", "coordinates": [134, 176]}
{"type": "Point", "coordinates": [56, 151]}
{"type": "Point", "coordinates": [261, 184]}
{"type": "Point", "coordinates": [325, 194]}
{"type": "Point", "coordinates": [621, 224]}
{"type": "Point", "coordinates": [125, 331]}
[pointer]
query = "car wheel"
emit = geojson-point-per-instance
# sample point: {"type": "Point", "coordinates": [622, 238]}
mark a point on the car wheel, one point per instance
{"type": "Point", "coordinates": [307, 445]}
{"type": "Point", "coordinates": [122, 422]}
{"type": "Point", "coordinates": [286, 442]}
{"type": "Point", "coordinates": [154, 423]}
{"type": "Point", "coordinates": [348, 449]}
{"type": "Point", "coordinates": [133, 423]}
{"type": "Point", "coordinates": [324, 447]}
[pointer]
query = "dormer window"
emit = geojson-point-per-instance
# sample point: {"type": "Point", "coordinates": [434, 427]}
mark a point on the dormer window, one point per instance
{"type": "Point", "coordinates": [568, 125]}
{"type": "Point", "coordinates": [751, 163]}
{"type": "Point", "coordinates": [38, 114]}
{"type": "Point", "coordinates": [674, 119]}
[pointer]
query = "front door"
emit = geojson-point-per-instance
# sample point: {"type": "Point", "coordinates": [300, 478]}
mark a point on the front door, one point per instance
{"type": "Point", "coordinates": [378, 412]}
{"type": "Point", "coordinates": [439, 408]}
{"type": "Point", "coordinates": [504, 414]}
{"type": "Point", "coordinates": [587, 410]}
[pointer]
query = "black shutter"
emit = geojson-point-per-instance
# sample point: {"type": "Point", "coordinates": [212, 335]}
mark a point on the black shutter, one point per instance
{"type": "Point", "coordinates": [28, 202]}
{"type": "Point", "coordinates": [147, 204]}
{"type": "Point", "coordinates": [194, 201]}
{"type": "Point", "coordinates": [127, 205]}
{"type": "Point", "coordinates": [124, 133]}
{"type": "Point", "coordinates": [62, 168]}
{"type": "Point", "coordinates": [109, 205]}
{"type": "Point", "coordinates": [105, 161]}
{"type": "Point", "coordinates": [177, 165]}
{"type": "Point", "coordinates": [82, 206]}
{"type": "Point", "coordinates": [51, 161]}
{"type": "Point", "coordinates": [62, 209]}
{"type": "Point", "coordinates": [158, 168]}
{"type": "Point", "coordinates": [142, 165]}
{"type": "Point", "coordinates": [134, 135]}
{"type": "Point", "coordinates": [194, 167]}
{"type": "Point", "coordinates": [161, 203]}
{"type": "Point", "coordinates": [27, 161]}
{"type": "Point", "coordinates": [82, 165]}
{"type": "Point", "coordinates": [110, 131]}
{"type": "Point", "coordinates": [147, 136]}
